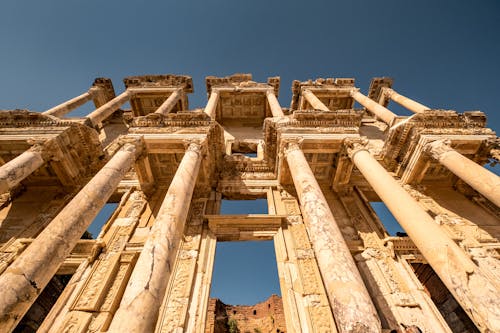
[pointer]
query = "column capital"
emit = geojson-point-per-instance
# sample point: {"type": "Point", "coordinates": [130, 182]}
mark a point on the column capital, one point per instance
{"type": "Point", "coordinates": [196, 146]}
{"type": "Point", "coordinates": [437, 148]}
{"type": "Point", "coordinates": [133, 144]}
{"type": "Point", "coordinates": [292, 144]}
{"type": "Point", "coordinates": [49, 149]}
{"type": "Point", "coordinates": [354, 145]}
{"type": "Point", "coordinates": [353, 91]}
{"type": "Point", "coordinates": [387, 92]}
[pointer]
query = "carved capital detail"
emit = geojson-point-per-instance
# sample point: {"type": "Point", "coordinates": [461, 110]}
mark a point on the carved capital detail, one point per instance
{"type": "Point", "coordinates": [353, 145]}
{"type": "Point", "coordinates": [195, 145]}
{"type": "Point", "coordinates": [387, 92]}
{"type": "Point", "coordinates": [133, 143]}
{"type": "Point", "coordinates": [437, 148]}
{"type": "Point", "coordinates": [292, 144]}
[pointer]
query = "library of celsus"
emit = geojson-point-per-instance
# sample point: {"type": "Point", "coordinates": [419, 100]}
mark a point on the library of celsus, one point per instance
{"type": "Point", "coordinates": [320, 164]}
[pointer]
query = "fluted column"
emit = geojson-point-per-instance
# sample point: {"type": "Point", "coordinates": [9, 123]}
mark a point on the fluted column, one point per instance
{"type": "Point", "coordinates": [350, 302]}
{"type": "Point", "coordinates": [274, 104]}
{"type": "Point", "coordinates": [100, 114]}
{"type": "Point", "coordinates": [211, 107]}
{"type": "Point", "coordinates": [479, 178]}
{"type": "Point", "coordinates": [381, 112]}
{"type": "Point", "coordinates": [17, 169]}
{"type": "Point", "coordinates": [170, 102]}
{"type": "Point", "coordinates": [68, 106]}
{"type": "Point", "coordinates": [314, 101]}
{"type": "Point", "coordinates": [25, 278]}
{"type": "Point", "coordinates": [404, 101]}
{"type": "Point", "coordinates": [139, 307]}
{"type": "Point", "coordinates": [476, 294]}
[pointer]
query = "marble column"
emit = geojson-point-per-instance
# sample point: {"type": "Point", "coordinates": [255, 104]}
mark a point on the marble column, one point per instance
{"type": "Point", "coordinates": [274, 104]}
{"type": "Point", "coordinates": [68, 106]}
{"type": "Point", "coordinates": [103, 112]}
{"type": "Point", "coordinates": [23, 281]}
{"type": "Point", "coordinates": [404, 101]}
{"type": "Point", "coordinates": [479, 178]}
{"type": "Point", "coordinates": [168, 105]}
{"type": "Point", "coordinates": [211, 107]}
{"type": "Point", "coordinates": [314, 101]}
{"type": "Point", "coordinates": [139, 307]}
{"type": "Point", "coordinates": [17, 169]}
{"type": "Point", "coordinates": [476, 294]}
{"type": "Point", "coordinates": [349, 299]}
{"type": "Point", "coordinates": [386, 115]}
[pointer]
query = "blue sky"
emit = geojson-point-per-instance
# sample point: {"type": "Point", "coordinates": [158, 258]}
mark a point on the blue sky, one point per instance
{"type": "Point", "coordinates": [444, 54]}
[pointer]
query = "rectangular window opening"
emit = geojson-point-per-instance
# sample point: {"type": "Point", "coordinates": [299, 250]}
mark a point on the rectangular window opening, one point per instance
{"type": "Point", "coordinates": [390, 223]}
{"type": "Point", "coordinates": [239, 207]}
{"type": "Point", "coordinates": [95, 228]}
{"type": "Point", "coordinates": [452, 312]}
{"type": "Point", "coordinates": [36, 314]}
{"type": "Point", "coordinates": [245, 292]}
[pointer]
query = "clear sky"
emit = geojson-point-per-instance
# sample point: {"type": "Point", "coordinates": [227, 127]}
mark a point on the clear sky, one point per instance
{"type": "Point", "coordinates": [443, 53]}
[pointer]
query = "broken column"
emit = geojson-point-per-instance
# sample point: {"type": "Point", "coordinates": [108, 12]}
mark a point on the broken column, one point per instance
{"type": "Point", "coordinates": [349, 299]}
{"type": "Point", "coordinates": [480, 179]}
{"type": "Point", "coordinates": [141, 301]}
{"type": "Point", "coordinates": [476, 294]}
{"type": "Point", "coordinates": [23, 281]}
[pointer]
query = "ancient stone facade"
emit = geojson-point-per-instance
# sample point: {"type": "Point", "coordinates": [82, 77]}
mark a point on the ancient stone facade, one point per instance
{"type": "Point", "coordinates": [319, 164]}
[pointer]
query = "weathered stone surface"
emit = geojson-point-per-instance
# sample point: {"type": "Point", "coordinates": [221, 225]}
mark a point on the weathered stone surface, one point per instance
{"type": "Point", "coordinates": [339, 270]}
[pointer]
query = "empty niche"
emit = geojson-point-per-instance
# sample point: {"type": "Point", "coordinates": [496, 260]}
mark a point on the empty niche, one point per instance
{"type": "Point", "coordinates": [390, 223]}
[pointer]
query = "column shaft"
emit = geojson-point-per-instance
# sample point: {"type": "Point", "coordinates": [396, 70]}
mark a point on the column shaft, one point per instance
{"type": "Point", "coordinates": [479, 178]}
{"type": "Point", "coordinates": [17, 169]}
{"type": "Point", "coordinates": [478, 297]}
{"type": "Point", "coordinates": [26, 277]}
{"type": "Point", "coordinates": [211, 107]}
{"type": "Point", "coordinates": [408, 103]}
{"type": "Point", "coordinates": [350, 302]}
{"type": "Point", "coordinates": [68, 106]}
{"type": "Point", "coordinates": [170, 102]}
{"type": "Point", "coordinates": [139, 307]}
{"type": "Point", "coordinates": [381, 112]}
{"type": "Point", "coordinates": [274, 104]}
{"type": "Point", "coordinates": [100, 114]}
{"type": "Point", "coordinates": [314, 101]}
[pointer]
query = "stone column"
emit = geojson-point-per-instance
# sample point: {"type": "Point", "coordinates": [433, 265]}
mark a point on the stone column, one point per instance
{"type": "Point", "coordinates": [100, 114]}
{"type": "Point", "coordinates": [350, 302]}
{"type": "Point", "coordinates": [274, 104]}
{"type": "Point", "coordinates": [170, 102]}
{"type": "Point", "coordinates": [476, 294]}
{"type": "Point", "coordinates": [25, 278]}
{"type": "Point", "coordinates": [381, 112]}
{"type": "Point", "coordinates": [479, 178]}
{"type": "Point", "coordinates": [408, 103]}
{"type": "Point", "coordinates": [17, 169]}
{"type": "Point", "coordinates": [68, 106]}
{"type": "Point", "coordinates": [314, 101]}
{"type": "Point", "coordinates": [139, 307]}
{"type": "Point", "coordinates": [211, 107]}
